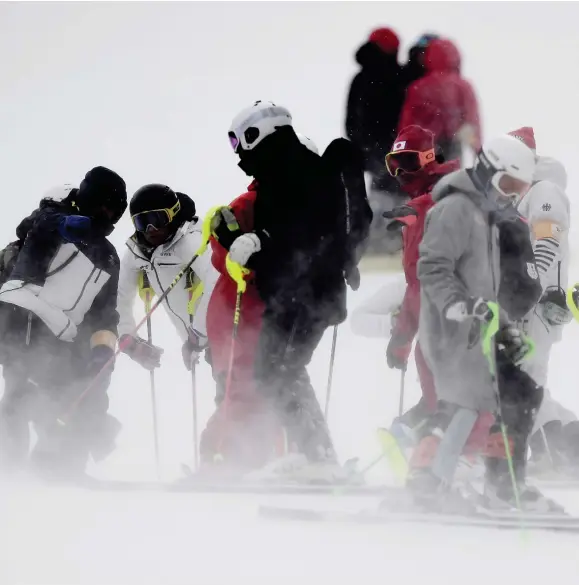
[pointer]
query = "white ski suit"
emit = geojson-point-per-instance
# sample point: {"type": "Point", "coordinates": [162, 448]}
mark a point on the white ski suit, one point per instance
{"type": "Point", "coordinates": [546, 208]}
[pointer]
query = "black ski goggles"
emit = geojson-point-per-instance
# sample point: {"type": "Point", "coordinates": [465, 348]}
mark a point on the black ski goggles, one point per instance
{"type": "Point", "coordinates": [156, 218]}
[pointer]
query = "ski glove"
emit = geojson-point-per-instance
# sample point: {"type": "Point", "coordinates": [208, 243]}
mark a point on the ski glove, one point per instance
{"type": "Point", "coordinates": [193, 348]}
{"type": "Point", "coordinates": [554, 306]}
{"type": "Point", "coordinates": [513, 344]}
{"type": "Point", "coordinates": [144, 353]}
{"type": "Point", "coordinates": [74, 228]}
{"type": "Point", "coordinates": [398, 352]}
{"type": "Point", "coordinates": [472, 308]}
{"type": "Point", "coordinates": [244, 247]}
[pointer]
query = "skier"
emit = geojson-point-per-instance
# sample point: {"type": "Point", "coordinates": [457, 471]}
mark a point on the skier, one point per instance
{"type": "Point", "coordinates": [547, 210]}
{"type": "Point", "coordinates": [59, 328]}
{"type": "Point", "coordinates": [374, 102]}
{"type": "Point", "coordinates": [413, 162]}
{"type": "Point", "coordinates": [298, 233]}
{"type": "Point", "coordinates": [167, 236]}
{"type": "Point", "coordinates": [414, 69]}
{"type": "Point", "coordinates": [444, 102]}
{"type": "Point", "coordinates": [459, 277]}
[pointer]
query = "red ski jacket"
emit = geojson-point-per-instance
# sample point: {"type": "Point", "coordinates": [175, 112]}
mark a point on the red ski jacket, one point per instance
{"type": "Point", "coordinates": [220, 311]}
{"type": "Point", "coordinates": [442, 101]}
{"type": "Point", "coordinates": [407, 320]}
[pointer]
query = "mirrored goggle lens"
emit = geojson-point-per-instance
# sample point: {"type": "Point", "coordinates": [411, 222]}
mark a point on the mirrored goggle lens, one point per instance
{"type": "Point", "coordinates": [233, 140]}
{"type": "Point", "coordinates": [157, 219]}
{"type": "Point", "coordinates": [403, 162]}
{"type": "Point", "coordinates": [512, 186]}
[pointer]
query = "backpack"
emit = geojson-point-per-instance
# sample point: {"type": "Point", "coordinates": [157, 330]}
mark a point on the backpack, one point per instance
{"type": "Point", "coordinates": [8, 257]}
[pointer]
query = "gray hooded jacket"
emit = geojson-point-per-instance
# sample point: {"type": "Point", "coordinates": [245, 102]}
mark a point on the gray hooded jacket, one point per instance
{"type": "Point", "coordinates": [459, 258]}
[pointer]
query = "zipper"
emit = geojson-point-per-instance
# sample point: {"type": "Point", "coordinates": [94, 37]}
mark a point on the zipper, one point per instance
{"type": "Point", "coordinates": [82, 290]}
{"type": "Point", "coordinates": [167, 298]}
{"type": "Point", "coordinates": [98, 276]}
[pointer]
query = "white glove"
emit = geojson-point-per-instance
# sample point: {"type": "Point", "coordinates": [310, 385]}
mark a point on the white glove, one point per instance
{"type": "Point", "coordinates": [243, 247]}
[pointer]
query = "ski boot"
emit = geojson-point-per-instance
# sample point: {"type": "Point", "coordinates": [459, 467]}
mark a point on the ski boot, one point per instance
{"type": "Point", "coordinates": [296, 468]}
{"type": "Point", "coordinates": [527, 499]}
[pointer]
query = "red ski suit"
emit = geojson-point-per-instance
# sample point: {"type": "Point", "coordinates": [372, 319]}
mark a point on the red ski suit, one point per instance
{"type": "Point", "coordinates": [442, 101]}
{"type": "Point", "coordinates": [407, 320]}
{"type": "Point", "coordinates": [242, 409]}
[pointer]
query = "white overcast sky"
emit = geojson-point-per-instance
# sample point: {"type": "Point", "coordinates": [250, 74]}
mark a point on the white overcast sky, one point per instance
{"type": "Point", "coordinates": [149, 89]}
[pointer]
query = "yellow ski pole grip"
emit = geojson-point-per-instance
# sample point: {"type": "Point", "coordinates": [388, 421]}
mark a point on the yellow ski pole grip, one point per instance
{"type": "Point", "coordinates": [571, 294]}
{"type": "Point", "coordinates": [237, 273]}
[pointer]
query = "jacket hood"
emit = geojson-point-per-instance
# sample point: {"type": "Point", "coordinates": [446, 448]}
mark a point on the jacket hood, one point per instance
{"type": "Point", "coordinates": [459, 181]}
{"type": "Point", "coordinates": [549, 169]}
{"type": "Point", "coordinates": [370, 57]}
{"type": "Point", "coordinates": [28, 222]}
{"type": "Point", "coordinates": [442, 56]}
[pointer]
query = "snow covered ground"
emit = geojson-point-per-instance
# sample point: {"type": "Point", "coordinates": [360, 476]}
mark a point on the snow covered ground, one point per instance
{"type": "Point", "coordinates": [149, 90]}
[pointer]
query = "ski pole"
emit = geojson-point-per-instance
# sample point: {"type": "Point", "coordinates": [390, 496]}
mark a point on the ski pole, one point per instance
{"type": "Point", "coordinates": [401, 393]}
{"type": "Point", "coordinates": [195, 427]}
{"type": "Point", "coordinates": [331, 372]}
{"type": "Point", "coordinates": [153, 392]}
{"type": "Point", "coordinates": [489, 351]}
{"type": "Point", "coordinates": [206, 234]}
{"type": "Point", "coordinates": [237, 273]}
{"type": "Point", "coordinates": [547, 448]}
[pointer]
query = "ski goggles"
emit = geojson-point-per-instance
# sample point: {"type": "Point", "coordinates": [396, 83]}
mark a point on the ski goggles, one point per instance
{"type": "Point", "coordinates": [156, 218]}
{"type": "Point", "coordinates": [408, 161]}
{"type": "Point", "coordinates": [510, 186]}
{"type": "Point", "coordinates": [250, 135]}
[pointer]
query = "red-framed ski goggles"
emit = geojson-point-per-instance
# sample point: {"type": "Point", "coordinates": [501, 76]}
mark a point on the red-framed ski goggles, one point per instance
{"type": "Point", "coordinates": [156, 218]}
{"type": "Point", "coordinates": [408, 161]}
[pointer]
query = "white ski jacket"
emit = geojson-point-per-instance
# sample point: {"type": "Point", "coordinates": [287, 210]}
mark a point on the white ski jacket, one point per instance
{"type": "Point", "coordinates": [162, 268]}
{"type": "Point", "coordinates": [546, 208]}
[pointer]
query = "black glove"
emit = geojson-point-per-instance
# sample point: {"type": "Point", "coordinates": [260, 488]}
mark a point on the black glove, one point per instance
{"type": "Point", "coordinates": [472, 308]}
{"type": "Point", "coordinates": [398, 352]}
{"type": "Point", "coordinates": [144, 353]}
{"type": "Point", "coordinates": [397, 212]}
{"type": "Point", "coordinates": [554, 306]}
{"type": "Point", "coordinates": [513, 344]}
{"type": "Point", "coordinates": [193, 348]}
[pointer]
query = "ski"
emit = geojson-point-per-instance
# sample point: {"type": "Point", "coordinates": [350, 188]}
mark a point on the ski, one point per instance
{"type": "Point", "coordinates": [482, 519]}
{"type": "Point", "coordinates": [555, 483]}
{"type": "Point", "coordinates": [194, 485]}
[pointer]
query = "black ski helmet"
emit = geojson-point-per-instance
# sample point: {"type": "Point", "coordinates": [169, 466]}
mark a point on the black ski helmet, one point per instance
{"type": "Point", "coordinates": [151, 197]}
{"type": "Point", "coordinates": [102, 188]}
{"type": "Point", "coordinates": [155, 205]}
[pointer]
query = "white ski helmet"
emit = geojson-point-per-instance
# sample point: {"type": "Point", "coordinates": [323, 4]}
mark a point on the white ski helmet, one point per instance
{"type": "Point", "coordinates": [505, 164]}
{"type": "Point", "coordinates": [308, 143]}
{"type": "Point", "coordinates": [255, 123]}
{"type": "Point", "coordinates": [59, 193]}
